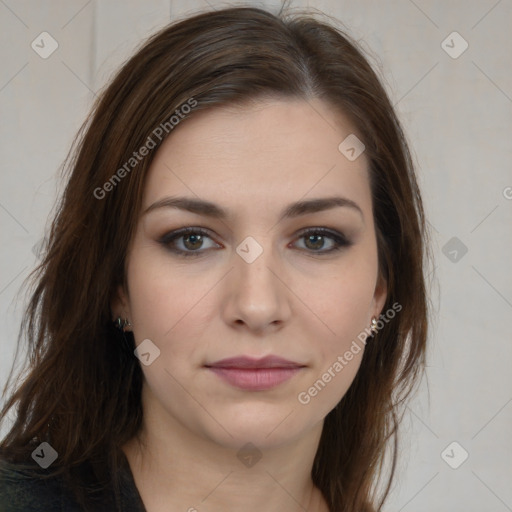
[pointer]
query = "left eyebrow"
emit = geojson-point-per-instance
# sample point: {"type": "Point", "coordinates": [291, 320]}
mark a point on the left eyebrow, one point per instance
{"type": "Point", "coordinates": [209, 209]}
{"type": "Point", "coordinates": [318, 205]}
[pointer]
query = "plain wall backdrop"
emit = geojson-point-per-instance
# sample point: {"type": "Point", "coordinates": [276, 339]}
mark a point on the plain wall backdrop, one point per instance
{"type": "Point", "coordinates": [453, 93]}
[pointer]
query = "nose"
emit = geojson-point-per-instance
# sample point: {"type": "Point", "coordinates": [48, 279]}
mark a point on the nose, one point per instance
{"type": "Point", "coordinates": [256, 296]}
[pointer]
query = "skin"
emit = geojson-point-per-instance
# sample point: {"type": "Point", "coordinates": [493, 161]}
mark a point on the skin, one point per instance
{"type": "Point", "coordinates": [291, 301]}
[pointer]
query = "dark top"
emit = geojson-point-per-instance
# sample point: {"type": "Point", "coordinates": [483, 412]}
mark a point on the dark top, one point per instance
{"type": "Point", "coordinates": [20, 492]}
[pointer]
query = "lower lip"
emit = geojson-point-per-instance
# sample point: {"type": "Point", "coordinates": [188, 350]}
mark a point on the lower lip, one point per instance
{"type": "Point", "coordinates": [255, 379]}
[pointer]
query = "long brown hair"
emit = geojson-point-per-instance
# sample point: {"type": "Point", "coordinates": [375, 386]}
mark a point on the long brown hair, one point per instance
{"type": "Point", "coordinates": [82, 392]}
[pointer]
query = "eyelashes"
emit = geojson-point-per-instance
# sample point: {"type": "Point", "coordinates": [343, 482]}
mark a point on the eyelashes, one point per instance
{"type": "Point", "coordinates": [192, 241]}
{"type": "Point", "coordinates": [197, 236]}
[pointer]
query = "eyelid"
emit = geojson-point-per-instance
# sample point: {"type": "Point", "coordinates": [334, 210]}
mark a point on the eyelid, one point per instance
{"type": "Point", "coordinates": [340, 240]}
{"type": "Point", "coordinates": [322, 230]}
{"type": "Point", "coordinates": [180, 232]}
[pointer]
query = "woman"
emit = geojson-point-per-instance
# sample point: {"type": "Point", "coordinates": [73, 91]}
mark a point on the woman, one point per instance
{"type": "Point", "coordinates": [232, 308]}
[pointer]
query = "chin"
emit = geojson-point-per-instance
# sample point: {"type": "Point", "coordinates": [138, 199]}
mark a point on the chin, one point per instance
{"type": "Point", "coordinates": [265, 426]}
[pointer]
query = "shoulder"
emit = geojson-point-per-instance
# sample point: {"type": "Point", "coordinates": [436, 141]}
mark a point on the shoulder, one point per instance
{"type": "Point", "coordinates": [23, 490]}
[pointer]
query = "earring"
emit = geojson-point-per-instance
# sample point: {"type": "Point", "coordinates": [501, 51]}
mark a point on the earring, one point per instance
{"type": "Point", "coordinates": [374, 327]}
{"type": "Point", "coordinates": [122, 324]}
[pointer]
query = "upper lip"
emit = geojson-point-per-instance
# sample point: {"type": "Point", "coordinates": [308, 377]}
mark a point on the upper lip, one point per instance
{"type": "Point", "coordinates": [250, 362]}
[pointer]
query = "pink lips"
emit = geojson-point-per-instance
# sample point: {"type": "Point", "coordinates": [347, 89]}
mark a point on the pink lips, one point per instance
{"type": "Point", "coordinates": [255, 374]}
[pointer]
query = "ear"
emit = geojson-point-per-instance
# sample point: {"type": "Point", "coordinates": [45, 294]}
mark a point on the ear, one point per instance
{"type": "Point", "coordinates": [380, 295]}
{"type": "Point", "coordinates": [120, 304]}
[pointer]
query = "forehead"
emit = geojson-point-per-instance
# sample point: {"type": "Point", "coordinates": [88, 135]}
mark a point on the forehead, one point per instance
{"type": "Point", "coordinates": [272, 152]}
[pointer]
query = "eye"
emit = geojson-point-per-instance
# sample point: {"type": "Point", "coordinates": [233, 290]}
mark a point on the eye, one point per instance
{"type": "Point", "coordinates": [317, 239]}
{"type": "Point", "coordinates": [187, 241]}
{"type": "Point", "coordinates": [191, 241]}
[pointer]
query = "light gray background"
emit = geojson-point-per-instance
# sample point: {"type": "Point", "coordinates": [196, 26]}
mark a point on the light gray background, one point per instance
{"type": "Point", "coordinates": [458, 115]}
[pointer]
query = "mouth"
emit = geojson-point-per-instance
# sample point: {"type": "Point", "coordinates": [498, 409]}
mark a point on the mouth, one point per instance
{"type": "Point", "coordinates": [255, 374]}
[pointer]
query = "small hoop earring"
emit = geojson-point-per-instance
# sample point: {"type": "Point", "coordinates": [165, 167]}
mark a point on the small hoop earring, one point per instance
{"type": "Point", "coordinates": [374, 328]}
{"type": "Point", "coordinates": [122, 324]}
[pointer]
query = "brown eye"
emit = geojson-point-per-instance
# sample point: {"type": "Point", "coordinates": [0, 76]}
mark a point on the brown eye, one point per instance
{"type": "Point", "coordinates": [314, 242]}
{"type": "Point", "coordinates": [323, 241]}
{"type": "Point", "coordinates": [193, 241]}
{"type": "Point", "coordinates": [188, 241]}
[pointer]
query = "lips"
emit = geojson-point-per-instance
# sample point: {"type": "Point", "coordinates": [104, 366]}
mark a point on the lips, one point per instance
{"type": "Point", "coordinates": [255, 374]}
{"type": "Point", "coordinates": [249, 362]}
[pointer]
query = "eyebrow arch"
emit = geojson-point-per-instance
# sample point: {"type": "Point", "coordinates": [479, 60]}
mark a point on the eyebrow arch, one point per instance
{"type": "Point", "coordinates": [209, 209]}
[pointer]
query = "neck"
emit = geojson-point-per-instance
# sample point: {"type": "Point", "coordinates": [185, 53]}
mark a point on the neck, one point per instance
{"type": "Point", "coordinates": [176, 469]}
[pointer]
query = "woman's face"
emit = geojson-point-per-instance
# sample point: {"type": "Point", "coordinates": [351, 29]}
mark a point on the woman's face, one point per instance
{"type": "Point", "coordinates": [260, 279]}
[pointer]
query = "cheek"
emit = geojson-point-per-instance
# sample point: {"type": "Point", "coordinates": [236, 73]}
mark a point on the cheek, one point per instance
{"type": "Point", "coordinates": [345, 306]}
{"type": "Point", "coordinates": [344, 300]}
{"type": "Point", "coordinates": [166, 300]}
{"type": "Point", "coordinates": [339, 350]}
